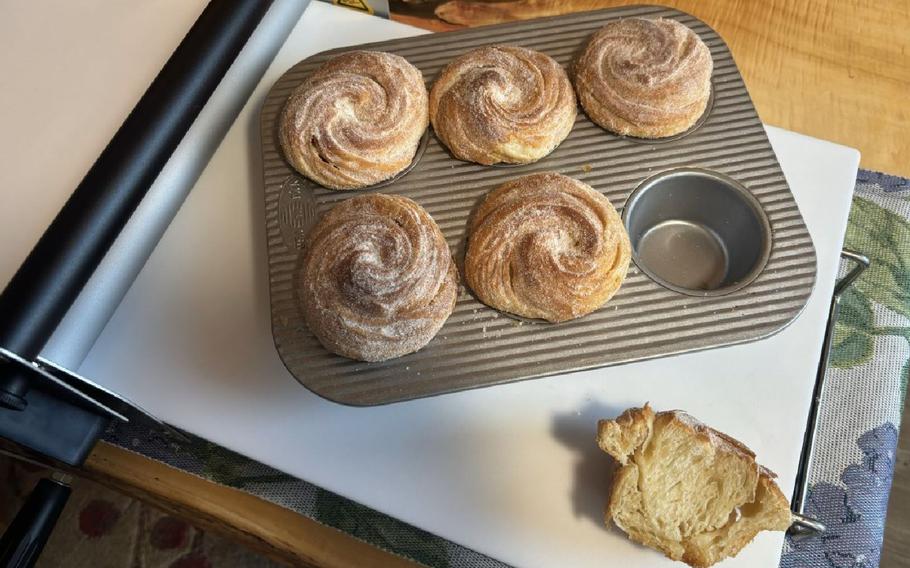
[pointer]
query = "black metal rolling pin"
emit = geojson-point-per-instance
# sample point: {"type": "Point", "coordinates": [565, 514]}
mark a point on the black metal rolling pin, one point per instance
{"type": "Point", "coordinates": [64, 259]}
{"type": "Point", "coordinates": [58, 267]}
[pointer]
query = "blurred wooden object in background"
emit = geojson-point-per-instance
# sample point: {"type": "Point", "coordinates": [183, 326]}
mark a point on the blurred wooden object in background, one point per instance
{"type": "Point", "coordinates": [833, 69]}
{"type": "Point", "coordinates": [485, 13]}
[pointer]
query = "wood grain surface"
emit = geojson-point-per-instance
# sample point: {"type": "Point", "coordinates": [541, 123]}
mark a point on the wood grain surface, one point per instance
{"type": "Point", "coordinates": [834, 69]}
{"type": "Point", "coordinates": [274, 531]}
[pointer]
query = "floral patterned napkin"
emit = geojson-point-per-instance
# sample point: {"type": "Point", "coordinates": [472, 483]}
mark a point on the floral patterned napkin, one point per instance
{"type": "Point", "coordinates": [866, 384]}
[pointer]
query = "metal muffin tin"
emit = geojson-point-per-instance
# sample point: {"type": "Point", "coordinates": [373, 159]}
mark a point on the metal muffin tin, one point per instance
{"type": "Point", "coordinates": [697, 232]}
{"type": "Point", "coordinates": [649, 317]}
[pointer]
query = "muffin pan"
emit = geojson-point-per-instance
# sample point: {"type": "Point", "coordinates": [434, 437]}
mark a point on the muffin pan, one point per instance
{"type": "Point", "coordinates": [697, 232]}
{"type": "Point", "coordinates": [721, 252]}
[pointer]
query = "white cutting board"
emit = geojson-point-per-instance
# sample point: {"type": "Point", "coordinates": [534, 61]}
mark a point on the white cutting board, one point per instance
{"type": "Point", "coordinates": [511, 471]}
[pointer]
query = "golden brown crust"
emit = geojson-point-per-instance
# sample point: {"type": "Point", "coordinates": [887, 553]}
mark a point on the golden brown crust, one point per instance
{"type": "Point", "coordinates": [644, 78]}
{"type": "Point", "coordinates": [636, 425]}
{"type": "Point", "coordinates": [356, 121]}
{"type": "Point", "coordinates": [645, 501]}
{"type": "Point", "coordinates": [502, 104]}
{"type": "Point", "coordinates": [546, 246]}
{"type": "Point", "coordinates": [621, 436]}
{"type": "Point", "coordinates": [377, 279]}
{"type": "Point", "coordinates": [710, 548]}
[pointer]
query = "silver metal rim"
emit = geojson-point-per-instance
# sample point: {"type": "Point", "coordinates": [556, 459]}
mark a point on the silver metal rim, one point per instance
{"type": "Point", "coordinates": [746, 196]}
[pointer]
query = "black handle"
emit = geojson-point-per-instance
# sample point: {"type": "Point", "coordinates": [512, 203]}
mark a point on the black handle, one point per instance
{"type": "Point", "coordinates": [26, 536]}
{"type": "Point", "coordinates": [54, 273]}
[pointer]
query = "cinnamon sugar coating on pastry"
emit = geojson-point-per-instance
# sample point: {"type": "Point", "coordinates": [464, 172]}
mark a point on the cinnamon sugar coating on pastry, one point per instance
{"type": "Point", "coordinates": [356, 121]}
{"type": "Point", "coordinates": [546, 246]}
{"type": "Point", "coordinates": [644, 78]}
{"type": "Point", "coordinates": [377, 279]}
{"type": "Point", "coordinates": [502, 104]}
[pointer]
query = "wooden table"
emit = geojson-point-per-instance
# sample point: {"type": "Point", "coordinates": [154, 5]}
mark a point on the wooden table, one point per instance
{"type": "Point", "coordinates": [836, 69]}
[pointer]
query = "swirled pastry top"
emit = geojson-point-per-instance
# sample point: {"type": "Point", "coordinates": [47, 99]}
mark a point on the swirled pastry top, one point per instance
{"type": "Point", "coordinates": [546, 246]}
{"type": "Point", "coordinates": [356, 121]}
{"type": "Point", "coordinates": [645, 78]}
{"type": "Point", "coordinates": [377, 279]}
{"type": "Point", "coordinates": [502, 104]}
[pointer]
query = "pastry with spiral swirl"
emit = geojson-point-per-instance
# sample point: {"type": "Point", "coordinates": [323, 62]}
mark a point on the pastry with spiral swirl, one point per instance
{"type": "Point", "coordinates": [502, 104]}
{"type": "Point", "coordinates": [356, 121]}
{"type": "Point", "coordinates": [546, 246]}
{"type": "Point", "coordinates": [644, 78]}
{"type": "Point", "coordinates": [377, 279]}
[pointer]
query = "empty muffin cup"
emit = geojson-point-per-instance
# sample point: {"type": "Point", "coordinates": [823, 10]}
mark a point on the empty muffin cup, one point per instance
{"type": "Point", "coordinates": [697, 231]}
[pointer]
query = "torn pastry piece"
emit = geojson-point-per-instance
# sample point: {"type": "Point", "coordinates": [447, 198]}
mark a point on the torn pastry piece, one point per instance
{"type": "Point", "coordinates": [685, 489]}
{"type": "Point", "coordinates": [377, 279]}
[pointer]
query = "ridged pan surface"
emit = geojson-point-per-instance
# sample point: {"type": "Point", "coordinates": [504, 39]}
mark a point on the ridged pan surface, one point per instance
{"type": "Point", "coordinates": [478, 346]}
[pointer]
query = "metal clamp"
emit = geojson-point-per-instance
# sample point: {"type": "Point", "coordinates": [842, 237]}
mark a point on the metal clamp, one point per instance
{"type": "Point", "coordinates": [804, 526]}
{"type": "Point", "coordinates": [84, 393]}
{"type": "Point", "coordinates": [50, 382]}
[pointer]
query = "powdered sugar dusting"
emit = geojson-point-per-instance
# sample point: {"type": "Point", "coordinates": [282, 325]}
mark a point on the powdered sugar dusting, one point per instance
{"type": "Point", "coordinates": [717, 439]}
{"type": "Point", "coordinates": [546, 246]}
{"type": "Point", "coordinates": [648, 78]}
{"type": "Point", "coordinates": [377, 279]}
{"type": "Point", "coordinates": [502, 104]}
{"type": "Point", "coordinates": [356, 121]}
